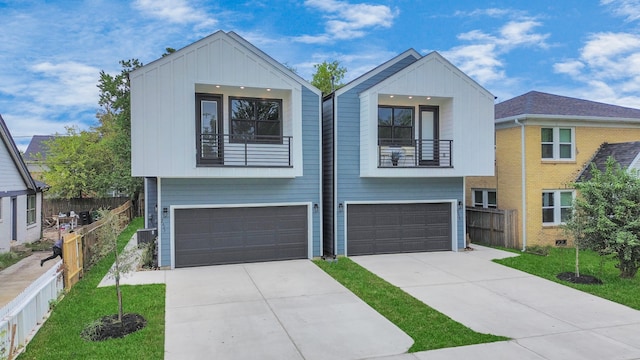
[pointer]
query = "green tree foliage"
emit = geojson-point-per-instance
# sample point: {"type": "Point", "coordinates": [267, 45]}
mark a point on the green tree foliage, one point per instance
{"type": "Point", "coordinates": [607, 216]}
{"type": "Point", "coordinates": [328, 76]}
{"type": "Point", "coordinates": [74, 160]}
{"type": "Point", "coordinates": [95, 162]}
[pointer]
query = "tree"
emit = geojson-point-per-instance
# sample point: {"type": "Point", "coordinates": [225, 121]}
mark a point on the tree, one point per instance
{"type": "Point", "coordinates": [73, 162]}
{"type": "Point", "coordinates": [96, 162]}
{"type": "Point", "coordinates": [607, 215]}
{"type": "Point", "coordinates": [328, 76]}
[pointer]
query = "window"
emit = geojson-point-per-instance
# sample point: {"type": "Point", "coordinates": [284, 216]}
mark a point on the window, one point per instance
{"type": "Point", "coordinates": [31, 209]}
{"type": "Point", "coordinates": [557, 143]}
{"type": "Point", "coordinates": [256, 120]}
{"type": "Point", "coordinates": [395, 125]}
{"type": "Point", "coordinates": [209, 135]}
{"type": "Point", "coordinates": [556, 206]}
{"type": "Point", "coordinates": [485, 199]}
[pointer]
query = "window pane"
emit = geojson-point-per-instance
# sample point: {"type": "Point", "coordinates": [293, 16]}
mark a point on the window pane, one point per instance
{"type": "Point", "coordinates": [477, 197]}
{"type": "Point", "coordinates": [384, 116]}
{"type": "Point", "coordinates": [492, 200]}
{"type": "Point", "coordinates": [239, 127]}
{"type": "Point", "coordinates": [565, 135]}
{"type": "Point", "coordinates": [269, 128]}
{"type": "Point", "coordinates": [402, 134]}
{"type": "Point", "coordinates": [547, 135]}
{"type": "Point", "coordinates": [547, 151]}
{"type": "Point", "coordinates": [547, 216]}
{"type": "Point", "coordinates": [566, 198]}
{"type": "Point", "coordinates": [242, 109]}
{"type": "Point", "coordinates": [384, 132]}
{"type": "Point", "coordinates": [547, 199]}
{"type": "Point", "coordinates": [267, 110]}
{"type": "Point", "coordinates": [402, 117]}
{"type": "Point", "coordinates": [209, 117]}
{"type": "Point", "coordinates": [564, 214]}
{"type": "Point", "coordinates": [565, 151]}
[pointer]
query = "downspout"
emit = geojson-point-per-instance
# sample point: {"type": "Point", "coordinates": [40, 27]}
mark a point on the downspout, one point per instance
{"type": "Point", "coordinates": [524, 186]}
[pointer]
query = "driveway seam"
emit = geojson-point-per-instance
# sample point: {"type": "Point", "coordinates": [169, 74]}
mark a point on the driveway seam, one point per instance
{"type": "Point", "coordinates": [266, 301]}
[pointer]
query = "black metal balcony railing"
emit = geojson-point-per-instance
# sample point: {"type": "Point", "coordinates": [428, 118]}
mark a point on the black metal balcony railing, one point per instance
{"type": "Point", "coordinates": [245, 150]}
{"type": "Point", "coordinates": [415, 153]}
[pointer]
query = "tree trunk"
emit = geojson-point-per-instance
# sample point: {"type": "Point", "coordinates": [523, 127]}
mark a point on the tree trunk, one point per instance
{"type": "Point", "coordinates": [577, 261]}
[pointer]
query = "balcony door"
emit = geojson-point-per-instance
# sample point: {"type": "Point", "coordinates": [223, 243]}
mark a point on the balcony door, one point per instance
{"type": "Point", "coordinates": [429, 131]}
{"type": "Point", "coordinates": [210, 128]}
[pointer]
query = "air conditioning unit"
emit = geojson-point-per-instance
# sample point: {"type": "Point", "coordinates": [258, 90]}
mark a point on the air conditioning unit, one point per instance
{"type": "Point", "coordinates": [147, 236]}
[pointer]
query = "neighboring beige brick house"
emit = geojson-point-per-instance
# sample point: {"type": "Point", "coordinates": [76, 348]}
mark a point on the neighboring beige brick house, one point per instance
{"type": "Point", "coordinates": [559, 136]}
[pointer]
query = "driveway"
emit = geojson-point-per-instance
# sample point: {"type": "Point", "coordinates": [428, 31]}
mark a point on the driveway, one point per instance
{"type": "Point", "coordinates": [275, 310]}
{"type": "Point", "coordinates": [546, 320]}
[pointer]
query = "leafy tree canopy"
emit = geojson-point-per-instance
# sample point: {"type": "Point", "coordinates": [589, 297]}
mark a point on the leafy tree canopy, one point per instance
{"type": "Point", "coordinates": [95, 162]}
{"type": "Point", "coordinates": [328, 76]}
{"type": "Point", "coordinates": [606, 216]}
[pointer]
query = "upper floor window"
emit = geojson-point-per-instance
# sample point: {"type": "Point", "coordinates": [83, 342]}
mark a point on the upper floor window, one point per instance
{"type": "Point", "coordinates": [395, 125]}
{"type": "Point", "coordinates": [557, 143]}
{"type": "Point", "coordinates": [485, 199]}
{"type": "Point", "coordinates": [31, 209]}
{"type": "Point", "coordinates": [256, 120]}
{"type": "Point", "coordinates": [556, 206]}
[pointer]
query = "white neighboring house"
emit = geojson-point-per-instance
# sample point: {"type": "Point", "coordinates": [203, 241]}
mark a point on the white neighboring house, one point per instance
{"type": "Point", "coordinates": [20, 196]}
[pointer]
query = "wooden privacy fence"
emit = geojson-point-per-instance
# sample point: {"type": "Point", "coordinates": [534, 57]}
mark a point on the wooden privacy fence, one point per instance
{"type": "Point", "coordinates": [82, 246]}
{"type": "Point", "coordinates": [52, 207]}
{"type": "Point", "coordinates": [493, 227]}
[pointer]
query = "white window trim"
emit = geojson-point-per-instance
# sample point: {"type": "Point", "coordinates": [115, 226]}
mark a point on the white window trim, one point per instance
{"type": "Point", "coordinates": [557, 206]}
{"type": "Point", "coordinates": [556, 143]}
{"type": "Point", "coordinates": [485, 198]}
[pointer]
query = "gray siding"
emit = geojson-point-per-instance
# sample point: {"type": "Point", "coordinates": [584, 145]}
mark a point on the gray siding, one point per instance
{"type": "Point", "coordinates": [351, 187]}
{"type": "Point", "coordinates": [152, 201]}
{"type": "Point", "coordinates": [208, 191]}
{"type": "Point", "coordinates": [10, 178]}
{"type": "Point", "coordinates": [328, 191]}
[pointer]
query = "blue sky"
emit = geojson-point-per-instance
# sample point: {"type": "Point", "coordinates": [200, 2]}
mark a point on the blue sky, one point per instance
{"type": "Point", "coordinates": [51, 52]}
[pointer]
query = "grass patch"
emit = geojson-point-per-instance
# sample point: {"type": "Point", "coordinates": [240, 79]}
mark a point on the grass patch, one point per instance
{"type": "Point", "coordinates": [623, 291]}
{"type": "Point", "coordinates": [59, 337]}
{"type": "Point", "coordinates": [9, 258]}
{"type": "Point", "coordinates": [428, 328]}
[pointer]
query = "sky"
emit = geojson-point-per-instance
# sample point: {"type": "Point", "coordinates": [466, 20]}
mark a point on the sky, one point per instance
{"type": "Point", "coordinates": [52, 52]}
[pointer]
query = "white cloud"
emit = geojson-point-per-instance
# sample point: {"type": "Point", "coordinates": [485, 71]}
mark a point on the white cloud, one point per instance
{"type": "Point", "coordinates": [175, 11]}
{"type": "Point", "coordinates": [348, 21]}
{"type": "Point", "coordinates": [609, 66]}
{"type": "Point", "coordinates": [630, 9]}
{"type": "Point", "coordinates": [491, 12]}
{"type": "Point", "coordinates": [64, 84]}
{"type": "Point", "coordinates": [482, 59]}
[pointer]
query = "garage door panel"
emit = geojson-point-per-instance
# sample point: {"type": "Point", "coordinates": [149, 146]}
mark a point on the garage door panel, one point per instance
{"type": "Point", "coordinates": [232, 235]}
{"type": "Point", "coordinates": [393, 228]}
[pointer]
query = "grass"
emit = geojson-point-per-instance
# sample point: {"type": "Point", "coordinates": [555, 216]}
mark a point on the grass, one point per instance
{"type": "Point", "coordinates": [9, 258]}
{"type": "Point", "coordinates": [428, 328]}
{"type": "Point", "coordinates": [59, 337]}
{"type": "Point", "coordinates": [623, 291]}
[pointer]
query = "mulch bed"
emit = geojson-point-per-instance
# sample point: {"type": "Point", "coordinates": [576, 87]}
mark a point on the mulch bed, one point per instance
{"type": "Point", "coordinates": [582, 279]}
{"type": "Point", "coordinates": [108, 327]}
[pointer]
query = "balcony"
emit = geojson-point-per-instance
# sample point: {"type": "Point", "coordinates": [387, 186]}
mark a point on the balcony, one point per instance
{"type": "Point", "coordinates": [421, 153]}
{"type": "Point", "coordinates": [243, 150]}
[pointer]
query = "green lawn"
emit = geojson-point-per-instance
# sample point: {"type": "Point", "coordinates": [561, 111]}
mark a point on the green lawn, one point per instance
{"type": "Point", "coordinates": [428, 328]}
{"type": "Point", "coordinates": [623, 291]}
{"type": "Point", "coordinates": [59, 337]}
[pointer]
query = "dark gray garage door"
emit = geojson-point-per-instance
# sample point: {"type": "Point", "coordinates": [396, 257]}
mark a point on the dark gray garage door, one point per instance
{"type": "Point", "coordinates": [235, 235]}
{"type": "Point", "coordinates": [396, 228]}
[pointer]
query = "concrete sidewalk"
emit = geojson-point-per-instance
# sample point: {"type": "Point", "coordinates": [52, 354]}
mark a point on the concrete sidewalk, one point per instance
{"type": "Point", "coordinates": [17, 277]}
{"type": "Point", "coordinates": [546, 320]}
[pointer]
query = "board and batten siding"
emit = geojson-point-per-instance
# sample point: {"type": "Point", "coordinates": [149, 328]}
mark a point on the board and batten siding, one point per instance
{"type": "Point", "coordinates": [163, 106]}
{"type": "Point", "coordinates": [10, 179]}
{"type": "Point", "coordinates": [212, 191]}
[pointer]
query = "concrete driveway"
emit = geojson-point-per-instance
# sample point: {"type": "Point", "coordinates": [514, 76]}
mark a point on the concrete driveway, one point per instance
{"type": "Point", "coordinates": [546, 320]}
{"type": "Point", "coordinates": [275, 310]}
